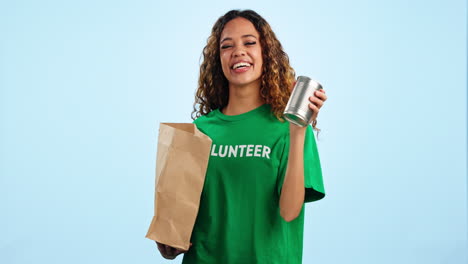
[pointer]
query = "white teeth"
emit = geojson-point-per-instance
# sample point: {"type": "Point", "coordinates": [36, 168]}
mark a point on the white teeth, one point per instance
{"type": "Point", "coordinates": [240, 64]}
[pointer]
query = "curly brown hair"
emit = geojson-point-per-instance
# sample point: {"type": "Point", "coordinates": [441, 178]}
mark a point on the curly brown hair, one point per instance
{"type": "Point", "coordinates": [276, 78]}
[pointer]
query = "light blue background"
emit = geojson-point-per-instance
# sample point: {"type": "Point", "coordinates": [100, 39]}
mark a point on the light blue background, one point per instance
{"type": "Point", "coordinates": [84, 85]}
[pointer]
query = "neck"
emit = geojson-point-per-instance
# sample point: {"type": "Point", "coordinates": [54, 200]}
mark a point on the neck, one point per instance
{"type": "Point", "coordinates": [243, 99]}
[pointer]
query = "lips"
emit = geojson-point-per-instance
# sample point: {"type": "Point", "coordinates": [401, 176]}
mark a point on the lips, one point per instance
{"type": "Point", "coordinates": [241, 69]}
{"type": "Point", "coordinates": [240, 64]}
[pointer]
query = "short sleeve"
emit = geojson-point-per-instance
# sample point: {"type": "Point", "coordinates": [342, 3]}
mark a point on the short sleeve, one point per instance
{"type": "Point", "coordinates": [313, 180]}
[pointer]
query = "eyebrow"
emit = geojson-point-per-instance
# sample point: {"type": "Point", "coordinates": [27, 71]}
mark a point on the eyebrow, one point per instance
{"type": "Point", "coordinates": [243, 36]}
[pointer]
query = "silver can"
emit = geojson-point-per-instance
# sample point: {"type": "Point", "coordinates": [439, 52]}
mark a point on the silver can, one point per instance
{"type": "Point", "coordinates": [297, 110]}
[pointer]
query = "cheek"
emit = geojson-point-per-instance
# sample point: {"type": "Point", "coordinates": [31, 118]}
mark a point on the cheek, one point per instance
{"type": "Point", "coordinates": [224, 60]}
{"type": "Point", "coordinates": [259, 57]}
{"type": "Point", "coordinates": [259, 62]}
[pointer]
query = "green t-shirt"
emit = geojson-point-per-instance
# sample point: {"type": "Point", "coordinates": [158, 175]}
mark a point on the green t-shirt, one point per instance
{"type": "Point", "coordinates": [239, 220]}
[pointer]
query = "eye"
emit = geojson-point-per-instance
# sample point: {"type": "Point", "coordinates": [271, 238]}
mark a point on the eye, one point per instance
{"type": "Point", "coordinates": [251, 43]}
{"type": "Point", "coordinates": [225, 46]}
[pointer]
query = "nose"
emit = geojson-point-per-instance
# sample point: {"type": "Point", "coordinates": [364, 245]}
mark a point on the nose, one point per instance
{"type": "Point", "coordinates": [238, 52]}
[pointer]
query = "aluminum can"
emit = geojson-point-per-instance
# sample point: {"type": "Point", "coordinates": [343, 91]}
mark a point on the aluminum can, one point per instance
{"type": "Point", "coordinates": [297, 110]}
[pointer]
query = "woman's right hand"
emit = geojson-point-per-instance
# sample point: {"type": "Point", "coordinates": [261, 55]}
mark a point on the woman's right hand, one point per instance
{"type": "Point", "coordinates": [169, 252]}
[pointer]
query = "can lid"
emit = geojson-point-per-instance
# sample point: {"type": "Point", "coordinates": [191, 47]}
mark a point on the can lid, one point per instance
{"type": "Point", "coordinates": [303, 77]}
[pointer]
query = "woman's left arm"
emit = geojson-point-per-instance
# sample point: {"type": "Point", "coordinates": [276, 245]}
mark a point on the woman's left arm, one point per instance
{"type": "Point", "coordinates": [293, 189]}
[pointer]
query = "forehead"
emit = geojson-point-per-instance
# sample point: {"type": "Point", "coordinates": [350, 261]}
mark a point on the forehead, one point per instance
{"type": "Point", "coordinates": [238, 27]}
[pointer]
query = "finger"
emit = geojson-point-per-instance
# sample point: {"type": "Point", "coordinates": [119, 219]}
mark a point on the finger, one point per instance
{"type": "Point", "coordinates": [320, 90]}
{"type": "Point", "coordinates": [183, 250]}
{"type": "Point", "coordinates": [315, 110]}
{"type": "Point", "coordinates": [316, 101]}
{"type": "Point", "coordinates": [161, 248]}
{"type": "Point", "coordinates": [169, 250]}
{"type": "Point", "coordinates": [320, 94]}
{"type": "Point", "coordinates": [168, 257]}
{"type": "Point", "coordinates": [177, 252]}
{"type": "Point", "coordinates": [169, 253]}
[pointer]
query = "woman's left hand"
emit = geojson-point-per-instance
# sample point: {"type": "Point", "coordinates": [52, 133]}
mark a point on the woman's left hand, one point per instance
{"type": "Point", "coordinates": [316, 102]}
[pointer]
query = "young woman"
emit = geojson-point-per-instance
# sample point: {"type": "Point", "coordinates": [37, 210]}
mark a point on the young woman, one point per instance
{"type": "Point", "coordinates": [262, 169]}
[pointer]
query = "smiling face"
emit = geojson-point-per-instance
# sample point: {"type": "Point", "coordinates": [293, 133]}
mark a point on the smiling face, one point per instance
{"type": "Point", "coordinates": [241, 53]}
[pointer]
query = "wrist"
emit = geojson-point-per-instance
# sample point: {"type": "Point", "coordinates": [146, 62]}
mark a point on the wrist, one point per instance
{"type": "Point", "coordinates": [296, 131]}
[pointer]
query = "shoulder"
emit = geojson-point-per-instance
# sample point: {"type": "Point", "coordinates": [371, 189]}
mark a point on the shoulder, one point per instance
{"type": "Point", "coordinates": [204, 118]}
{"type": "Point", "coordinates": [205, 123]}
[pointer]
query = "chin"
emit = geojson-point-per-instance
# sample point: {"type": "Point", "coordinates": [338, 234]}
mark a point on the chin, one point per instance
{"type": "Point", "coordinates": [243, 81]}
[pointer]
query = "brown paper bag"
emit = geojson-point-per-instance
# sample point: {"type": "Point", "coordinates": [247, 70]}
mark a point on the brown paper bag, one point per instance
{"type": "Point", "coordinates": [181, 162]}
